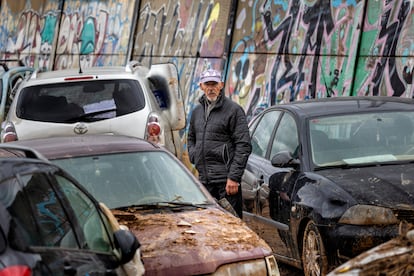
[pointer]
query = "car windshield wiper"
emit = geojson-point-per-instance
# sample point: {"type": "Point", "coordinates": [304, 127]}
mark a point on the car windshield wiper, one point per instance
{"type": "Point", "coordinates": [91, 115]}
{"type": "Point", "coordinates": [162, 204]}
{"type": "Point", "coordinates": [337, 166]}
{"type": "Point", "coordinates": [361, 165]}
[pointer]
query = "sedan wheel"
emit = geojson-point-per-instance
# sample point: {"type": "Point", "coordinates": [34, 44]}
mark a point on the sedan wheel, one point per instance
{"type": "Point", "coordinates": [314, 259]}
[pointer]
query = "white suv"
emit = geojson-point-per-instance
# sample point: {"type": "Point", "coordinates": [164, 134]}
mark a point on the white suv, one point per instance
{"type": "Point", "coordinates": [133, 100]}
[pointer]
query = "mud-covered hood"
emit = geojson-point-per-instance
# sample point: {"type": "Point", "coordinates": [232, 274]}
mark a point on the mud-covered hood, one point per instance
{"type": "Point", "coordinates": [388, 186]}
{"type": "Point", "coordinates": [192, 242]}
{"type": "Point", "coordinates": [393, 257]}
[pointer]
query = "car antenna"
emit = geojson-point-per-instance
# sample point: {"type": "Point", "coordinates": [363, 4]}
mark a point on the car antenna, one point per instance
{"type": "Point", "coordinates": [79, 56]}
{"type": "Point", "coordinates": [80, 68]}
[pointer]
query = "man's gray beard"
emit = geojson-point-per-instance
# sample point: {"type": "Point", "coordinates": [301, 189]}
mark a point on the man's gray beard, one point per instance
{"type": "Point", "coordinates": [212, 100]}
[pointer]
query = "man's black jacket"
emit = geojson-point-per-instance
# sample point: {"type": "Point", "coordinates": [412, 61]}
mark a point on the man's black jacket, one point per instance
{"type": "Point", "coordinates": [219, 146]}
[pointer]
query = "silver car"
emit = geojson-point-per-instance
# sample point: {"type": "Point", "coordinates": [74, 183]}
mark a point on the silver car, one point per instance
{"type": "Point", "coordinates": [133, 100]}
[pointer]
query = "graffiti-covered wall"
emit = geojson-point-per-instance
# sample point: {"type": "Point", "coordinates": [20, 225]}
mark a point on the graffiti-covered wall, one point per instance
{"type": "Point", "coordinates": [271, 51]}
{"type": "Point", "coordinates": [59, 34]}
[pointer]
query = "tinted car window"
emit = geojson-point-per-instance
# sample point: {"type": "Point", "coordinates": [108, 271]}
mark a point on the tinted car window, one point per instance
{"type": "Point", "coordinates": [286, 138]}
{"type": "Point", "coordinates": [263, 132]}
{"type": "Point", "coordinates": [70, 102]}
{"type": "Point", "coordinates": [93, 228]}
{"type": "Point", "coordinates": [38, 219]}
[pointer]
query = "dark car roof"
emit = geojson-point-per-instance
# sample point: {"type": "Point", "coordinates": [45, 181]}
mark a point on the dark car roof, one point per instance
{"type": "Point", "coordinates": [15, 159]}
{"type": "Point", "coordinates": [338, 105]}
{"type": "Point", "coordinates": [57, 147]}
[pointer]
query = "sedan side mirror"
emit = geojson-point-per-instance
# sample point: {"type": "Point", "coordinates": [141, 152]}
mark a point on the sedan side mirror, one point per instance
{"type": "Point", "coordinates": [284, 159]}
{"type": "Point", "coordinates": [127, 243]}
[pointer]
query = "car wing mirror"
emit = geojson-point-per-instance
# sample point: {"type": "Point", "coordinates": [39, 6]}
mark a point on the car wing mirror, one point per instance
{"type": "Point", "coordinates": [285, 159]}
{"type": "Point", "coordinates": [127, 243]}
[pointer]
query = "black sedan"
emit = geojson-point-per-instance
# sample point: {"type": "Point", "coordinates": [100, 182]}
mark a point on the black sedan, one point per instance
{"type": "Point", "coordinates": [330, 178]}
{"type": "Point", "coordinates": [50, 225]}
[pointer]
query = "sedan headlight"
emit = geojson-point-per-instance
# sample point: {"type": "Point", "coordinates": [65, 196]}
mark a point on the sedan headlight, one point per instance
{"type": "Point", "coordinates": [266, 267]}
{"type": "Point", "coordinates": [368, 215]}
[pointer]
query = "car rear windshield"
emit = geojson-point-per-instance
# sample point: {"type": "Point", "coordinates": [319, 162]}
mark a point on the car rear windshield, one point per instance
{"type": "Point", "coordinates": [86, 101]}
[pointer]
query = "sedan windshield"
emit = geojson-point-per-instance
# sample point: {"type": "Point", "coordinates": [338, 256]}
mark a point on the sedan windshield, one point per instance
{"type": "Point", "coordinates": [131, 179]}
{"type": "Point", "coordinates": [368, 138]}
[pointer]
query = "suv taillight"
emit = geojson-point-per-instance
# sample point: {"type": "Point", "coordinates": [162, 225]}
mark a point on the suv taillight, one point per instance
{"type": "Point", "coordinates": [8, 132]}
{"type": "Point", "coordinates": [153, 130]}
{"type": "Point", "coordinates": [17, 270]}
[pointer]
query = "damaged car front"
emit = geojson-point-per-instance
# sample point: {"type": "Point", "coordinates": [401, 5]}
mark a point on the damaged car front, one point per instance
{"type": "Point", "coordinates": [181, 228]}
{"type": "Point", "coordinates": [331, 179]}
{"type": "Point", "coordinates": [394, 257]}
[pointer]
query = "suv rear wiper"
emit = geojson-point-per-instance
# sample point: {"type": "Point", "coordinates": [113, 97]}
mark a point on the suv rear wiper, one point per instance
{"type": "Point", "coordinates": [91, 115]}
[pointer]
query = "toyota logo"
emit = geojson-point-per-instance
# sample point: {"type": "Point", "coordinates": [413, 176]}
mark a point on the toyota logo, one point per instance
{"type": "Point", "coordinates": [80, 128]}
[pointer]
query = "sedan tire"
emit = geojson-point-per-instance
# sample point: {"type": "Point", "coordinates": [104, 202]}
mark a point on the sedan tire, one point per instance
{"type": "Point", "coordinates": [314, 258]}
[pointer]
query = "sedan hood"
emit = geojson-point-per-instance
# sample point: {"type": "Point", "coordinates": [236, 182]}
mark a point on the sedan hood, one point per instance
{"type": "Point", "coordinates": [191, 242]}
{"type": "Point", "coordinates": [388, 186]}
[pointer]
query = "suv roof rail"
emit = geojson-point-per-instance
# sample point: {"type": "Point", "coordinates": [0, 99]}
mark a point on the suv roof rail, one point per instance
{"type": "Point", "coordinates": [132, 66]}
{"type": "Point", "coordinates": [4, 65]}
{"type": "Point", "coordinates": [28, 152]}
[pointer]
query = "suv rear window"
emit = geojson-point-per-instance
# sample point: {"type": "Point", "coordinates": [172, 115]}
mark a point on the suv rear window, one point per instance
{"type": "Point", "coordinates": [86, 101]}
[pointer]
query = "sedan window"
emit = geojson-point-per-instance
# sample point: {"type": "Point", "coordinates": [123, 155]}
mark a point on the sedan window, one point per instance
{"type": "Point", "coordinates": [38, 216]}
{"type": "Point", "coordinates": [94, 230]}
{"type": "Point", "coordinates": [263, 132]}
{"type": "Point", "coordinates": [362, 139]}
{"type": "Point", "coordinates": [134, 178]}
{"type": "Point", "coordinates": [286, 138]}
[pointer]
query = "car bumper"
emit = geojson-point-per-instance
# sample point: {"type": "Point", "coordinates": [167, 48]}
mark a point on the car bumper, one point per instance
{"type": "Point", "coordinates": [351, 240]}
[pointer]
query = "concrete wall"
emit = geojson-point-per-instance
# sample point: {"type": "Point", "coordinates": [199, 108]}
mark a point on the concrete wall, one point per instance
{"type": "Point", "coordinates": [271, 51]}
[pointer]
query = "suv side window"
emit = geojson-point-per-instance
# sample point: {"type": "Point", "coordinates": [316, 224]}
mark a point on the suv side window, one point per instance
{"type": "Point", "coordinates": [263, 132]}
{"type": "Point", "coordinates": [94, 229]}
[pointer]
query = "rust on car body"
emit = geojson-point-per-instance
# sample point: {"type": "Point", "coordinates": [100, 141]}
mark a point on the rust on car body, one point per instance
{"type": "Point", "coordinates": [181, 228]}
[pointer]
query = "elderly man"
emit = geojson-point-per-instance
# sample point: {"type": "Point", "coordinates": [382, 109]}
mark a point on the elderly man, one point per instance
{"type": "Point", "coordinates": [218, 141]}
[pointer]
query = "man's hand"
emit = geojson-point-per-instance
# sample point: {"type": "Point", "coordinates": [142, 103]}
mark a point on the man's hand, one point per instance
{"type": "Point", "coordinates": [232, 187]}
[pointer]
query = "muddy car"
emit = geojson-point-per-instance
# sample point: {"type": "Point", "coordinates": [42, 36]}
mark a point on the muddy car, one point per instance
{"type": "Point", "coordinates": [394, 257]}
{"type": "Point", "coordinates": [330, 178]}
{"type": "Point", "coordinates": [182, 229]}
